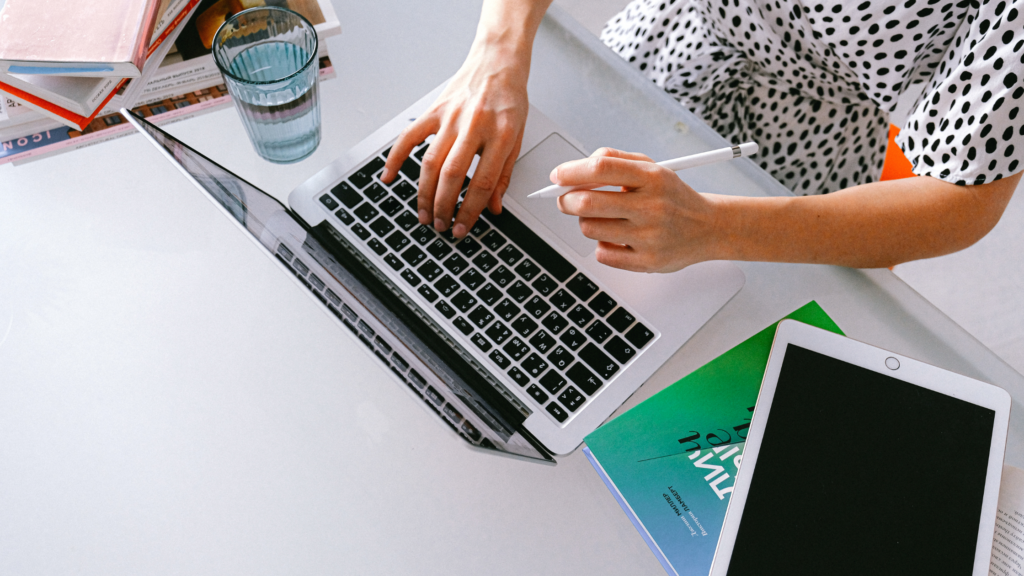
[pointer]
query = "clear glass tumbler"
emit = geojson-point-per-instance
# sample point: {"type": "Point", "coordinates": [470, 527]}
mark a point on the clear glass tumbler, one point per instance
{"type": "Point", "coordinates": [268, 57]}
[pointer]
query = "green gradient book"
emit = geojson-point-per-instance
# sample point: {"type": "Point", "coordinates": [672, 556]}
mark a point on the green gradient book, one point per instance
{"type": "Point", "coordinates": [671, 461]}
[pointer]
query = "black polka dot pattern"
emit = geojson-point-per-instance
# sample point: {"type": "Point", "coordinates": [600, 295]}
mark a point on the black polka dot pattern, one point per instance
{"type": "Point", "coordinates": [813, 83]}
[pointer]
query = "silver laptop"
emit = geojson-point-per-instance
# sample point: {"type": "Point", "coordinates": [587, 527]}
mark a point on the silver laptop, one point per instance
{"type": "Point", "coordinates": [515, 336]}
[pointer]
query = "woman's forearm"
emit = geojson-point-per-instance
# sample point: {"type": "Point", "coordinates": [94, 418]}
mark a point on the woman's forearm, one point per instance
{"type": "Point", "coordinates": [510, 26]}
{"type": "Point", "coordinates": [868, 226]}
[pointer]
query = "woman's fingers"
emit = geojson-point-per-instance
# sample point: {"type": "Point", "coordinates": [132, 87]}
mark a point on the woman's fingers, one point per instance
{"type": "Point", "coordinates": [494, 203]}
{"type": "Point", "coordinates": [433, 160]}
{"type": "Point", "coordinates": [603, 171]}
{"type": "Point", "coordinates": [597, 204]}
{"type": "Point", "coordinates": [613, 153]}
{"type": "Point", "coordinates": [452, 177]}
{"type": "Point", "coordinates": [619, 256]}
{"type": "Point", "coordinates": [413, 134]}
{"type": "Point", "coordinates": [611, 230]}
{"type": "Point", "coordinates": [481, 187]}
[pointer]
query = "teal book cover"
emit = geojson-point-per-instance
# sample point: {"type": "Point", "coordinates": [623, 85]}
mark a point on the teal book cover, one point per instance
{"type": "Point", "coordinates": [671, 461]}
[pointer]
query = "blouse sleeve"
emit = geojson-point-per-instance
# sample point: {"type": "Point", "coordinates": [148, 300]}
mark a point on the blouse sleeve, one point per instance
{"type": "Point", "coordinates": [967, 128]}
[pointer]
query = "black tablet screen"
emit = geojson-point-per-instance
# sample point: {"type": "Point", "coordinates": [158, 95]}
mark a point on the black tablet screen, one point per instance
{"type": "Point", "coordinates": [861, 473]}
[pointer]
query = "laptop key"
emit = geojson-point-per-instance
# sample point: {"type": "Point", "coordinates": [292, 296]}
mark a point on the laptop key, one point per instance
{"type": "Point", "coordinates": [481, 316]}
{"type": "Point", "coordinates": [410, 277]}
{"type": "Point", "coordinates": [639, 336]}
{"type": "Point", "coordinates": [599, 361]}
{"type": "Point", "coordinates": [423, 234]}
{"type": "Point", "coordinates": [528, 270]}
{"type": "Point", "coordinates": [580, 315]}
{"type": "Point", "coordinates": [375, 192]}
{"type": "Point", "coordinates": [463, 326]}
{"type": "Point", "coordinates": [472, 279]}
{"type": "Point", "coordinates": [571, 399]}
{"type": "Point", "coordinates": [542, 342]}
{"type": "Point", "coordinates": [498, 358]}
{"type": "Point", "coordinates": [430, 270]}
{"type": "Point", "coordinates": [563, 301]}
{"type": "Point", "coordinates": [330, 202]}
{"type": "Point", "coordinates": [518, 376]}
{"type": "Point", "coordinates": [411, 169]}
{"type": "Point", "coordinates": [621, 319]}
{"type": "Point", "coordinates": [379, 248]}
{"type": "Point", "coordinates": [557, 411]}
{"type": "Point", "coordinates": [390, 206]}
{"type": "Point", "coordinates": [535, 365]}
{"type": "Point", "coordinates": [554, 322]}
{"type": "Point", "coordinates": [493, 240]}
{"type": "Point", "coordinates": [498, 332]}
{"type": "Point", "coordinates": [359, 231]}
{"type": "Point", "coordinates": [485, 261]}
{"type": "Point", "coordinates": [413, 203]}
{"type": "Point", "coordinates": [407, 221]}
{"type": "Point", "coordinates": [427, 293]}
{"type": "Point", "coordinates": [469, 247]}
{"type": "Point", "coordinates": [602, 304]}
{"type": "Point", "coordinates": [537, 306]}
{"type": "Point", "coordinates": [446, 286]}
{"type": "Point", "coordinates": [393, 261]}
{"type": "Point", "coordinates": [480, 342]}
{"type": "Point", "coordinates": [416, 379]}
{"type": "Point", "coordinates": [573, 338]}
{"type": "Point", "coordinates": [452, 413]}
{"type": "Point", "coordinates": [537, 394]}
{"type": "Point", "coordinates": [345, 217]}
{"type": "Point", "coordinates": [502, 276]}
{"type": "Point", "coordinates": [584, 378]}
{"type": "Point", "coordinates": [366, 212]}
{"type": "Point", "coordinates": [489, 294]}
{"type": "Point", "coordinates": [471, 432]}
{"type": "Point", "coordinates": [464, 300]}
{"type": "Point", "coordinates": [545, 285]}
{"type": "Point", "coordinates": [403, 189]}
{"type": "Point", "coordinates": [506, 310]}
{"type": "Point", "coordinates": [382, 226]}
{"type": "Point", "coordinates": [445, 309]}
{"type": "Point", "coordinates": [510, 255]}
{"type": "Point", "coordinates": [620, 349]}
{"type": "Point", "coordinates": [399, 361]}
{"type": "Point", "coordinates": [524, 325]}
{"type": "Point", "coordinates": [582, 287]}
{"type": "Point", "coordinates": [365, 174]}
{"type": "Point", "coordinates": [455, 264]}
{"type": "Point", "coordinates": [519, 291]}
{"type": "Point", "coordinates": [347, 194]}
{"type": "Point", "coordinates": [397, 241]}
{"type": "Point", "coordinates": [434, 395]}
{"type": "Point", "coordinates": [516, 348]}
{"type": "Point", "coordinates": [439, 248]}
{"type": "Point", "coordinates": [561, 358]}
{"type": "Point", "coordinates": [480, 227]}
{"type": "Point", "coordinates": [414, 256]}
{"type": "Point", "coordinates": [599, 331]}
{"type": "Point", "coordinates": [552, 382]}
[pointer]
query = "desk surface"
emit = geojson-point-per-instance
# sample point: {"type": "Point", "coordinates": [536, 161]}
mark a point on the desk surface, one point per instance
{"type": "Point", "coordinates": [170, 402]}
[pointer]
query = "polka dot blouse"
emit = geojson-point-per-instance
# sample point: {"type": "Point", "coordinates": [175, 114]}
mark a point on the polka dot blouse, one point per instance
{"type": "Point", "coordinates": [813, 83]}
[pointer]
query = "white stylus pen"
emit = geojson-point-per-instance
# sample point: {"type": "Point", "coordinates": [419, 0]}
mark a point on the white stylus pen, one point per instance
{"type": "Point", "coordinates": [691, 161]}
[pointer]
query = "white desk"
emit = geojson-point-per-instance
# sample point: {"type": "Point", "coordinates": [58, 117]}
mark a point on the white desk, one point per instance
{"type": "Point", "coordinates": [171, 403]}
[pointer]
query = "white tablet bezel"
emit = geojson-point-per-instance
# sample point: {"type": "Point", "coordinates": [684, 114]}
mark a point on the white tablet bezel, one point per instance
{"type": "Point", "coordinates": [874, 359]}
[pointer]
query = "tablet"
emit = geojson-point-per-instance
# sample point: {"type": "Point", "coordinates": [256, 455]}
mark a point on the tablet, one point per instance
{"type": "Point", "coordinates": [861, 461]}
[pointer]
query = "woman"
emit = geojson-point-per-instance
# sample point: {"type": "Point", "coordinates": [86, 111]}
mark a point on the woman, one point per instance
{"type": "Point", "coordinates": [812, 83]}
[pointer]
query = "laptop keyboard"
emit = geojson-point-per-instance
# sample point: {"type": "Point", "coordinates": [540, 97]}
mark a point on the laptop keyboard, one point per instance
{"type": "Point", "coordinates": [548, 327]}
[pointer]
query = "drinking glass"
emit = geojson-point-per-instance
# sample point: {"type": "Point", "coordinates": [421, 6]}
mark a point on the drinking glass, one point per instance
{"type": "Point", "coordinates": [268, 57]}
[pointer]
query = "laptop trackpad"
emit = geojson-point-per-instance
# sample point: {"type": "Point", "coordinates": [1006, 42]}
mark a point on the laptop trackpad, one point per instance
{"type": "Point", "coordinates": [532, 173]}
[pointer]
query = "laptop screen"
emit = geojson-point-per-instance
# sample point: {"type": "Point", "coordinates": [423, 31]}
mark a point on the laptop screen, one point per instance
{"type": "Point", "coordinates": [335, 274]}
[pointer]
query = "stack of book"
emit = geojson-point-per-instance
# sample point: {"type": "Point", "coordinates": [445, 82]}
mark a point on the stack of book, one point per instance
{"type": "Point", "coordinates": [53, 98]}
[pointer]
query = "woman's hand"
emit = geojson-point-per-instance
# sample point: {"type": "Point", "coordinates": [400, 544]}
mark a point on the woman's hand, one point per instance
{"type": "Point", "coordinates": [656, 224]}
{"type": "Point", "coordinates": [481, 111]}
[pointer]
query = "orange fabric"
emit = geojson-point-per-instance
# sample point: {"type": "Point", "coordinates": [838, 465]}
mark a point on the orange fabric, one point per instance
{"type": "Point", "coordinates": [896, 165]}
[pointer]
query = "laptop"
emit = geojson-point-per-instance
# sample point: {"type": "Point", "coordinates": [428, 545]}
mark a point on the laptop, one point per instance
{"type": "Point", "coordinates": [515, 337]}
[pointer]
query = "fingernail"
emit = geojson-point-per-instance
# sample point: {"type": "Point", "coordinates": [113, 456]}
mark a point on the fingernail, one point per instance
{"type": "Point", "coordinates": [439, 225]}
{"type": "Point", "coordinates": [424, 217]}
{"type": "Point", "coordinates": [459, 231]}
{"type": "Point", "coordinates": [554, 176]}
{"type": "Point", "coordinates": [385, 175]}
